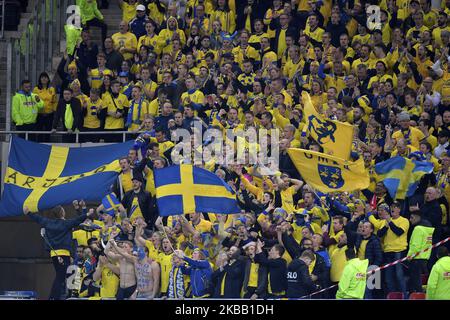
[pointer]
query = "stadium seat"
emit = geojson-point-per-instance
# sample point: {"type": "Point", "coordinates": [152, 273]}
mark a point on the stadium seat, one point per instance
{"type": "Point", "coordinates": [417, 296]}
{"type": "Point", "coordinates": [395, 296]}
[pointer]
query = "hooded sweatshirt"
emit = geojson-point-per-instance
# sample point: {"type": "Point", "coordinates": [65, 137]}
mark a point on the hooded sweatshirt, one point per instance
{"type": "Point", "coordinates": [438, 286]}
{"type": "Point", "coordinates": [166, 36]}
{"type": "Point", "coordinates": [353, 280]}
{"type": "Point", "coordinates": [25, 108]}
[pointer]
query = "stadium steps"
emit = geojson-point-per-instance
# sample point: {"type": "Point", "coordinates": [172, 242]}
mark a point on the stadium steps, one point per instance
{"type": "Point", "coordinates": [3, 65]}
{"type": "Point", "coordinates": [112, 16]}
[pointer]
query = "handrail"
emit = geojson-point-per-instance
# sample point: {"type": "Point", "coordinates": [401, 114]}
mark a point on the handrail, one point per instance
{"type": "Point", "coordinates": [76, 133]}
{"type": "Point", "coordinates": [2, 30]}
{"type": "Point", "coordinates": [34, 50]}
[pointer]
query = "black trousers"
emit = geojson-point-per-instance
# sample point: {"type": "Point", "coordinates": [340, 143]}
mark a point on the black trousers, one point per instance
{"type": "Point", "coordinates": [59, 284]}
{"type": "Point", "coordinates": [113, 137]}
{"type": "Point", "coordinates": [27, 127]}
{"type": "Point", "coordinates": [417, 267]}
{"type": "Point", "coordinates": [100, 24]}
{"type": "Point", "coordinates": [44, 123]}
{"type": "Point", "coordinates": [90, 137]}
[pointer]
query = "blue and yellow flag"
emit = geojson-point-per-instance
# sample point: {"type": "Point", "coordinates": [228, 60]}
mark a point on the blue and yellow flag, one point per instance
{"type": "Point", "coordinates": [110, 202]}
{"type": "Point", "coordinates": [401, 176]}
{"type": "Point", "coordinates": [329, 174]}
{"type": "Point", "coordinates": [334, 137]}
{"type": "Point", "coordinates": [187, 189]}
{"type": "Point", "coordinates": [41, 176]}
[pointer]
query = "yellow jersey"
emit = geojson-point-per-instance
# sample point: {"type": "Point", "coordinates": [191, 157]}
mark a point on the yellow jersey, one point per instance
{"type": "Point", "coordinates": [48, 96]}
{"type": "Point", "coordinates": [91, 119]}
{"type": "Point", "coordinates": [114, 105]}
{"type": "Point", "coordinates": [125, 40]}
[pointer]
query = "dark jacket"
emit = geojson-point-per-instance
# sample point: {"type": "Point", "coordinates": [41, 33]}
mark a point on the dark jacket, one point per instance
{"type": "Point", "coordinates": [299, 282]}
{"type": "Point", "coordinates": [88, 55]}
{"type": "Point", "coordinates": [336, 31]}
{"type": "Point", "coordinates": [276, 272]}
{"type": "Point", "coordinates": [114, 61]}
{"type": "Point", "coordinates": [374, 252]}
{"type": "Point", "coordinates": [146, 204]}
{"type": "Point", "coordinates": [200, 274]}
{"type": "Point", "coordinates": [432, 212]}
{"type": "Point", "coordinates": [61, 111]}
{"type": "Point", "coordinates": [67, 80]}
{"type": "Point", "coordinates": [261, 289]}
{"type": "Point", "coordinates": [58, 232]}
{"type": "Point", "coordinates": [233, 277]}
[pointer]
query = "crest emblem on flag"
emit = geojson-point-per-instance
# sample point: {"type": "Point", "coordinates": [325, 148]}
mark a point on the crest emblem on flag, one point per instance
{"type": "Point", "coordinates": [331, 176]}
{"type": "Point", "coordinates": [323, 128]}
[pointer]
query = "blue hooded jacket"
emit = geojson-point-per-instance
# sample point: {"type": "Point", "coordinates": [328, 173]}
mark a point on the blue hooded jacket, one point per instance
{"type": "Point", "coordinates": [200, 272]}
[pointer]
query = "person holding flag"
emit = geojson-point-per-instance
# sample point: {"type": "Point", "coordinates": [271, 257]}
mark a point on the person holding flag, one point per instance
{"type": "Point", "coordinates": [57, 233]}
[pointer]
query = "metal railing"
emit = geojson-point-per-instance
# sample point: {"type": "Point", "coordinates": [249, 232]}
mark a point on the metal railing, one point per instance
{"type": "Point", "coordinates": [126, 135]}
{"type": "Point", "coordinates": [33, 52]}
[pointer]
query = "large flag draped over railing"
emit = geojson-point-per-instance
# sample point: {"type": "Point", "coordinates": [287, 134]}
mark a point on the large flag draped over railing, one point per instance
{"type": "Point", "coordinates": [187, 189]}
{"type": "Point", "coordinates": [41, 176]}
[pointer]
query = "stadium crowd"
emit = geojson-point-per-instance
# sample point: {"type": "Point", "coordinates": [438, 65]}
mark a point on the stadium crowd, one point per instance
{"type": "Point", "coordinates": [232, 64]}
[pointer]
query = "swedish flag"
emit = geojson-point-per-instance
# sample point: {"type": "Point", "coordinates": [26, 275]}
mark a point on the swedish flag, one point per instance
{"type": "Point", "coordinates": [329, 174]}
{"type": "Point", "coordinates": [42, 176]}
{"type": "Point", "coordinates": [335, 137]}
{"type": "Point", "coordinates": [110, 202]}
{"type": "Point", "coordinates": [188, 189]}
{"type": "Point", "coordinates": [401, 176]}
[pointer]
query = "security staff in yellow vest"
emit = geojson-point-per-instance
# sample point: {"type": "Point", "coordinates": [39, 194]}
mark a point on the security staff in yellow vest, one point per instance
{"type": "Point", "coordinates": [352, 284]}
{"type": "Point", "coordinates": [421, 238]}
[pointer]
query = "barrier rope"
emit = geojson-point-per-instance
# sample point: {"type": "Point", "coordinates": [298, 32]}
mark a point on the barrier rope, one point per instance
{"type": "Point", "coordinates": [437, 244]}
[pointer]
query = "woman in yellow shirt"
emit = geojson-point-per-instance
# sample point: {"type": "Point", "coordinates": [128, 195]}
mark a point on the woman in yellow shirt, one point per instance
{"type": "Point", "coordinates": [48, 95]}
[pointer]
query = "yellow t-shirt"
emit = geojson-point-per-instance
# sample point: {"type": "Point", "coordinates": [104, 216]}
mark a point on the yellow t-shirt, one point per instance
{"type": "Point", "coordinates": [91, 119]}
{"type": "Point", "coordinates": [203, 226]}
{"type": "Point", "coordinates": [48, 96]}
{"type": "Point", "coordinates": [97, 77]}
{"type": "Point", "coordinates": [253, 276]}
{"type": "Point", "coordinates": [316, 34]}
{"type": "Point", "coordinates": [120, 103]}
{"type": "Point", "coordinates": [153, 253]}
{"type": "Point", "coordinates": [362, 249]}
{"type": "Point", "coordinates": [127, 184]}
{"type": "Point", "coordinates": [110, 284]}
{"type": "Point", "coordinates": [413, 136]}
{"type": "Point", "coordinates": [287, 199]}
{"type": "Point", "coordinates": [394, 243]}
{"type": "Point", "coordinates": [127, 40]}
{"type": "Point", "coordinates": [165, 261]}
{"type": "Point", "coordinates": [338, 261]}
{"type": "Point", "coordinates": [128, 11]}
{"type": "Point", "coordinates": [134, 108]}
{"type": "Point", "coordinates": [83, 236]}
